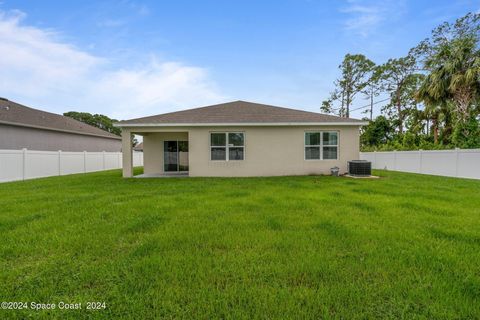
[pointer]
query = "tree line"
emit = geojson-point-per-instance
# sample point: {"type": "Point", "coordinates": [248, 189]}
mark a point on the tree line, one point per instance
{"type": "Point", "coordinates": [96, 120]}
{"type": "Point", "coordinates": [100, 121]}
{"type": "Point", "coordinates": [428, 99]}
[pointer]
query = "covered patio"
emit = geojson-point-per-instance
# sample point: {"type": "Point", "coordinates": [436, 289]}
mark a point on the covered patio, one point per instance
{"type": "Point", "coordinates": [165, 153]}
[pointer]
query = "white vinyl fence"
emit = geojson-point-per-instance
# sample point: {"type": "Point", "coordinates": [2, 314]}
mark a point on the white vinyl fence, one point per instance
{"type": "Point", "coordinates": [29, 164]}
{"type": "Point", "coordinates": [463, 163]}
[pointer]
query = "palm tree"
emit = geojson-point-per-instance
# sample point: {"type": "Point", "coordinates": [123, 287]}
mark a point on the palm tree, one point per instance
{"type": "Point", "coordinates": [454, 73]}
{"type": "Point", "coordinates": [435, 101]}
{"type": "Point", "coordinates": [434, 113]}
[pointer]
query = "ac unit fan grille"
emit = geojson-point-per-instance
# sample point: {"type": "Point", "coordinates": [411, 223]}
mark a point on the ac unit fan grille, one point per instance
{"type": "Point", "coordinates": [359, 168]}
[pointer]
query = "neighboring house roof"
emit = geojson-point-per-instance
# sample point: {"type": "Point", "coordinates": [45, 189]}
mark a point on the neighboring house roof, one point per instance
{"type": "Point", "coordinates": [238, 113]}
{"type": "Point", "coordinates": [15, 114]}
{"type": "Point", "coordinates": [138, 147]}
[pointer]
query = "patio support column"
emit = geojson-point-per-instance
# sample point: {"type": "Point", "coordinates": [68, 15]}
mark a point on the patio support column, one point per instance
{"type": "Point", "coordinates": [127, 153]}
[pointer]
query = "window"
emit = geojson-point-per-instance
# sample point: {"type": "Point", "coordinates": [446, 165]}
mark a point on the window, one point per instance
{"type": "Point", "coordinates": [322, 145]}
{"type": "Point", "coordinates": [227, 146]}
{"type": "Point", "coordinates": [218, 146]}
{"type": "Point", "coordinates": [330, 145]}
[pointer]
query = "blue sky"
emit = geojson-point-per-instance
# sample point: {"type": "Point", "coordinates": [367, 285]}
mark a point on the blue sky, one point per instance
{"type": "Point", "coordinates": [134, 58]}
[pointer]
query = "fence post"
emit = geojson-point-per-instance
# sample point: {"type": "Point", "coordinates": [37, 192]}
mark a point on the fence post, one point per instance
{"type": "Point", "coordinates": [375, 159]}
{"type": "Point", "coordinates": [420, 160]}
{"type": "Point", "coordinates": [24, 163]}
{"type": "Point", "coordinates": [456, 162]}
{"type": "Point", "coordinates": [59, 162]}
{"type": "Point", "coordinates": [84, 161]}
{"type": "Point", "coordinates": [103, 157]}
{"type": "Point", "coordinates": [394, 160]}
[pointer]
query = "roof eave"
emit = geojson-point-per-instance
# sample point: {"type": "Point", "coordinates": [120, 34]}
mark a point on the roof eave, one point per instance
{"type": "Point", "coordinates": [58, 130]}
{"type": "Point", "coordinates": [239, 124]}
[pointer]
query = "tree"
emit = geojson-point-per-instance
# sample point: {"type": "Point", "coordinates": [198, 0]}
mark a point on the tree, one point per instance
{"type": "Point", "coordinates": [398, 77]}
{"type": "Point", "coordinates": [134, 141]}
{"type": "Point", "coordinates": [434, 91]}
{"type": "Point", "coordinates": [434, 112]}
{"type": "Point", "coordinates": [97, 120]}
{"type": "Point", "coordinates": [416, 122]}
{"type": "Point", "coordinates": [456, 79]}
{"type": "Point", "coordinates": [437, 108]}
{"type": "Point", "coordinates": [377, 132]}
{"type": "Point", "coordinates": [355, 69]}
{"type": "Point", "coordinates": [451, 56]}
{"type": "Point", "coordinates": [467, 134]}
{"type": "Point", "coordinates": [373, 87]}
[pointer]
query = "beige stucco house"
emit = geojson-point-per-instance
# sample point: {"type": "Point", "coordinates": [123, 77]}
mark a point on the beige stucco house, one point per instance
{"type": "Point", "coordinates": [241, 139]}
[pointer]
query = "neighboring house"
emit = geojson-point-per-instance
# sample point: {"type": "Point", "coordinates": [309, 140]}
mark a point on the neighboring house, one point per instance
{"type": "Point", "coordinates": [242, 139]}
{"type": "Point", "coordinates": [138, 147]}
{"type": "Point", "coordinates": [24, 127]}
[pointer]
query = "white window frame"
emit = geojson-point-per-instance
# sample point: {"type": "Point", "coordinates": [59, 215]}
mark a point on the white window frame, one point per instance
{"type": "Point", "coordinates": [321, 145]}
{"type": "Point", "coordinates": [227, 145]}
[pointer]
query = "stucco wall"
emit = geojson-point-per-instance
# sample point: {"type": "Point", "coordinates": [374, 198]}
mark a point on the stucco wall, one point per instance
{"type": "Point", "coordinates": [269, 151]}
{"type": "Point", "coordinates": [153, 149]}
{"type": "Point", "coordinates": [15, 137]}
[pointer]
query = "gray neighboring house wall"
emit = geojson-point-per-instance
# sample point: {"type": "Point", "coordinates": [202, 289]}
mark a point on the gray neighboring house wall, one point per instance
{"type": "Point", "coordinates": [24, 127]}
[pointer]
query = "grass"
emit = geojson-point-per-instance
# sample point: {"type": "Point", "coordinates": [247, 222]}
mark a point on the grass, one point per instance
{"type": "Point", "coordinates": [403, 246]}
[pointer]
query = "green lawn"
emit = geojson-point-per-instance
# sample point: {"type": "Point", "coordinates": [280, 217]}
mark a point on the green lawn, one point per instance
{"type": "Point", "coordinates": [403, 246]}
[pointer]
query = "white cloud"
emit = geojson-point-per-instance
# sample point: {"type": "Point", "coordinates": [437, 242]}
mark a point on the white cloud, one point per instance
{"type": "Point", "coordinates": [37, 67]}
{"type": "Point", "coordinates": [167, 85]}
{"type": "Point", "coordinates": [29, 56]}
{"type": "Point", "coordinates": [366, 17]}
{"type": "Point", "coordinates": [364, 20]}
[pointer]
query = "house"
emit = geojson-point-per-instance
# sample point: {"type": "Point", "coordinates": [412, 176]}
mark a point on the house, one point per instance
{"type": "Point", "coordinates": [138, 147]}
{"type": "Point", "coordinates": [24, 127]}
{"type": "Point", "coordinates": [241, 138]}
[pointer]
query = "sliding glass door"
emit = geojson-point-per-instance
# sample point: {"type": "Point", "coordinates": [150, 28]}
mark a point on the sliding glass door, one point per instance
{"type": "Point", "coordinates": [175, 156]}
{"type": "Point", "coordinates": [182, 155]}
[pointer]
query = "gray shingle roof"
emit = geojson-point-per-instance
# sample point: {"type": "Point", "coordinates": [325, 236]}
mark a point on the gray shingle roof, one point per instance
{"type": "Point", "coordinates": [138, 147]}
{"type": "Point", "coordinates": [240, 112]}
{"type": "Point", "coordinates": [16, 114]}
